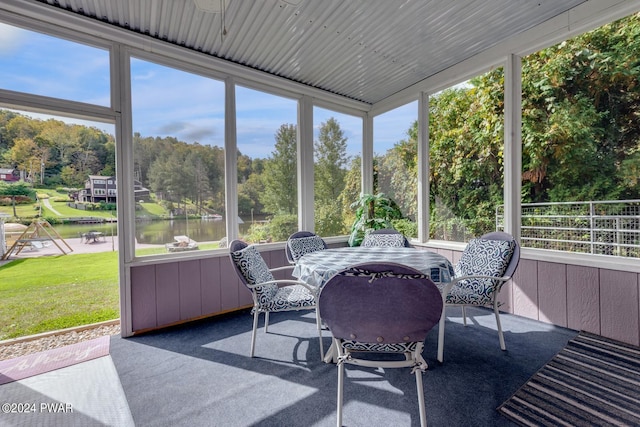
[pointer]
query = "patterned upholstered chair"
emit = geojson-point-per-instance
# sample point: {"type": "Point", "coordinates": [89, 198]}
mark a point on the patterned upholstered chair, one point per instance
{"type": "Point", "coordinates": [270, 295]}
{"type": "Point", "coordinates": [386, 237]}
{"type": "Point", "coordinates": [380, 308]}
{"type": "Point", "coordinates": [486, 264]}
{"type": "Point", "coordinates": [301, 243]}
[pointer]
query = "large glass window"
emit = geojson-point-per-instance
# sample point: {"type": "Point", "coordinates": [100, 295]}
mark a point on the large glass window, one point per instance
{"type": "Point", "coordinates": [581, 143]}
{"type": "Point", "coordinates": [267, 166]}
{"type": "Point", "coordinates": [48, 160]}
{"type": "Point", "coordinates": [38, 64]}
{"type": "Point", "coordinates": [337, 170]}
{"type": "Point", "coordinates": [178, 124]}
{"type": "Point", "coordinates": [395, 166]}
{"type": "Point", "coordinates": [466, 140]}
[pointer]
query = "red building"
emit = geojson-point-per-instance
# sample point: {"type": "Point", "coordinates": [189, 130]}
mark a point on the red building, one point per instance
{"type": "Point", "coordinates": [9, 175]}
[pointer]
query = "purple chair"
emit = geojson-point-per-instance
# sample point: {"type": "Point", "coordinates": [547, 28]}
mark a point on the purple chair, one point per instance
{"type": "Point", "coordinates": [301, 243]}
{"type": "Point", "coordinates": [380, 308]}
{"type": "Point", "coordinates": [486, 264]}
{"type": "Point", "coordinates": [270, 294]}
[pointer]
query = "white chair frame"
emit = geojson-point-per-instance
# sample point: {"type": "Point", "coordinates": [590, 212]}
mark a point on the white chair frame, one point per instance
{"type": "Point", "coordinates": [513, 264]}
{"type": "Point", "coordinates": [280, 282]}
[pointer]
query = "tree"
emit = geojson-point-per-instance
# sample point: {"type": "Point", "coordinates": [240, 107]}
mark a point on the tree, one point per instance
{"type": "Point", "coordinates": [330, 172]}
{"type": "Point", "coordinates": [352, 190]}
{"type": "Point", "coordinates": [15, 190]}
{"type": "Point", "coordinates": [23, 154]}
{"type": "Point", "coordinates": [249, 195]}
{"type": "Point", "coordinates": [581, 101]}
{"type": "Point", "coordinates": [466, 146]}
{"type": "Point", "coordinates": [398, 173]}
{"type": "Point", "coordinates": [280, 183]}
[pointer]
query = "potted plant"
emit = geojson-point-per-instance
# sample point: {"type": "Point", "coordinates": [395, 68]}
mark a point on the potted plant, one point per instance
{"type": "Point", "coordinates": [373, 212]}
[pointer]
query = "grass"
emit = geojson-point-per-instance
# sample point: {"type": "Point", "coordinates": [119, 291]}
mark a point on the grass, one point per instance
{"type": "Point", "coordinates": [151, 209]}
{"type": "Point", "coordinates": [30, 211]}
{"type": "Point", "coordinates": [23, 211]}
{"type": "Point", "coordinates": [76, 290]}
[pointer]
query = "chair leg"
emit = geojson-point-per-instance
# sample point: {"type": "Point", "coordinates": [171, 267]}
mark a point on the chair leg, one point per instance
{"type": "Point", "coordinates": [464, 315]}
{"type": "Point", "coordinates": [319, 326]}
{"type": "Point", "coordinates": [421, 405]}
{"type": "Point", "coordinates": [441, 336]}
{"type": "Point", "coordinates": [503, 346]}
{"type": "Point", "coordinates": [256, 314]}
{"type": "Point", "coordinates": [266, 322]}
{"type": "Point", "coordinates": [340, 393]}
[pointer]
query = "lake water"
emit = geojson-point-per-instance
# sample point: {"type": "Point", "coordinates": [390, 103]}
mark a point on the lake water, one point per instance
{"type": "Point", "coordinates": [158, 232]}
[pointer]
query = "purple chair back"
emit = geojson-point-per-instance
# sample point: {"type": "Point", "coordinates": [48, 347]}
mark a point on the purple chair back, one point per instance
{"type": "Point", "coordinates": [380, 303]}
{"type": "Point", "coordinates": [237, 245]}
{"type": "Point", "coordinates": [515, 258]}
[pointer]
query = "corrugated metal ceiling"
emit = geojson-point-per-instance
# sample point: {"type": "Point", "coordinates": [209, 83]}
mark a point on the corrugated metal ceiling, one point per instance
{"type": "Point", "coordinates": [366, 50]}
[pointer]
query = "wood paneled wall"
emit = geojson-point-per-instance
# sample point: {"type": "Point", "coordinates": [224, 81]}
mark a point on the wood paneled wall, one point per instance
{"type": "Point", "coordinates": [601, 301]}
{"type": "Point", "coordinates": [171, 293]}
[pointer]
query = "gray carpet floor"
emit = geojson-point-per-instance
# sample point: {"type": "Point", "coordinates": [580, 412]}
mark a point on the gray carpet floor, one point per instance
{"type": "Point", "coordinates": [200, 374]}
{"type": "Point", "coordinates": [84, 395]}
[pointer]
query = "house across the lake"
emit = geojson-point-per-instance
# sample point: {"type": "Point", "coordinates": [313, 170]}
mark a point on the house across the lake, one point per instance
{"type": "Point", "coordinates": [98, 188]}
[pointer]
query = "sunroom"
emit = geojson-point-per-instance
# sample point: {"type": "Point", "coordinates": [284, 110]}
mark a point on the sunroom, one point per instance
{"type": "Point", "coordinates": [366, 63]}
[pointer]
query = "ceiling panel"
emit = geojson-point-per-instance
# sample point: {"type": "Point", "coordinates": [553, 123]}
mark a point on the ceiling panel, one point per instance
{"type": "Point", "coordinates": [366, 50]}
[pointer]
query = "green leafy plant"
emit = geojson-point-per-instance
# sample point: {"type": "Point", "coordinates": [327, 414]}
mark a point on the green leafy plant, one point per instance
{"type": "Point", "coordinates": [405, 226]}
{"type": "Point", "coordinates": [373, 212]}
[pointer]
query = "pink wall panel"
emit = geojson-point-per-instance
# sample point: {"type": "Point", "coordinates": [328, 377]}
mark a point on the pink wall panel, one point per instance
{"type": "Point", "coordinates": [278, 258]}
{"type": "Point", "coordinates": [552, 293]}
{"type": "Point", "coordinates": [229, 285]}
{"type": "Point", "coordinates": [143, 297]}
{"type": "Point", "coordinates": [190, 293]}
{"type": "Point", "coordinates": [455, 257]}
{"type": "Point", "coordinates": [210, 285]}
{"type": "Point", "coordinates": [525, 289]}
{"type": "Point", "coordinates": [583, 299]}
{"type": "Point", "coordinates": [447, 253]}
{"type": "Point", "coordinates": [167, 293]}
{"type": "Point", "coordinates": [505, 297]}
{"type": "Point", "coordinates": [619, 305]}
{"type": "Point", "coordinates": [601, 301]}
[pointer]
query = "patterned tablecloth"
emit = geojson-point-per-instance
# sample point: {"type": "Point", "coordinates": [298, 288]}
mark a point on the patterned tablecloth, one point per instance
{"type": "Point", "coordinates": [317, 268]}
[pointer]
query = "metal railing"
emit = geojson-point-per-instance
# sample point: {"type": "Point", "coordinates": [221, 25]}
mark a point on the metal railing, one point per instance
{"type": "Point", "coordinates": [597, 227]}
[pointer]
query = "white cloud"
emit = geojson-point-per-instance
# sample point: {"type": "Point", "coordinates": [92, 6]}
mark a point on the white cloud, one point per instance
{"type": "Point", "coordinates": [11, 38]}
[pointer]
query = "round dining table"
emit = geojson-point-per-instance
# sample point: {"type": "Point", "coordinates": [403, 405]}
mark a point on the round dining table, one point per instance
{"type": "Point", "coordinates": [316, 268]}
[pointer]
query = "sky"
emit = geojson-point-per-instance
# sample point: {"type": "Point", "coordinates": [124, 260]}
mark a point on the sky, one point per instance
{"type": "Point", "coordinates": [167, 101]}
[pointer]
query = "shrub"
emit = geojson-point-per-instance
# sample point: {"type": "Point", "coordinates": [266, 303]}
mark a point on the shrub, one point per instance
{"type": "Point", "coordinates": [406, 227]}
{"type": "Point", "coordinates": [20, 200]}
{"type": "Point", "coordinates": [258, 232]}
{"type": "Point", "coordinates": [107, 206]}
{"type": "Point", "coordinates": [282, 226]}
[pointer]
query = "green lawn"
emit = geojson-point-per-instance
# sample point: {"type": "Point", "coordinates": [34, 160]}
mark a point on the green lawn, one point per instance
{"type": "Point", "coordinates": [76, 290]}
{"type": "Point", "coordinates": [151, 209]}
{"type": "Point", "coordinates": [50, 293]}
{"type": "Point", "coordinates": [30, 211]}
{"type": "Point", "coordinates": [23, 211]}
